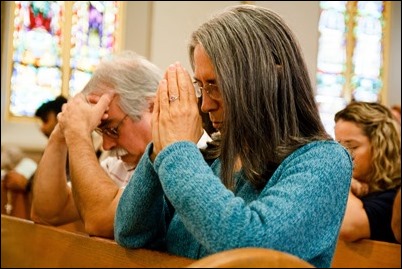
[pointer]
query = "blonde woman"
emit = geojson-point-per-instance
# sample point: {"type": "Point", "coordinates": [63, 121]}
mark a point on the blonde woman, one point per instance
{"type": "Point", "coordinates": [373, 138]}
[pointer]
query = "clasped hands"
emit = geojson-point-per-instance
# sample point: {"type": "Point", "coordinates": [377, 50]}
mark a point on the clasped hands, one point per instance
{"type": "Point", "coordinates": [175, 115]}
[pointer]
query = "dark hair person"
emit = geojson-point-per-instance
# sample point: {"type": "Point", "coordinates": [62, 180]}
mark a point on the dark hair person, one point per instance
{"type": "Point", "coordinates": [47, 112]}
{"type": "Point", "coordinates": [278, 181]}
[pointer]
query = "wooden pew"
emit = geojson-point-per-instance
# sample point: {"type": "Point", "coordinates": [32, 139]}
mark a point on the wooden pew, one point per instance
{"type": "Point", "coordinates": [367, 254]}
{"type": "Point", "coordinates": [21, 208]}
{"type": "Point", "coordinates": [251, 258]}
{"type": "Point", "coordinates": [361, 254]}
{"type": "Point", "coordinates": [26, 244]}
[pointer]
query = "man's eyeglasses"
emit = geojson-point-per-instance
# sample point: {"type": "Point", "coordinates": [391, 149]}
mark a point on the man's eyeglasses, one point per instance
{"type": "Point", "coordinates": [112, 132]}
{"type": "Point", "coordinates": [211, 89]}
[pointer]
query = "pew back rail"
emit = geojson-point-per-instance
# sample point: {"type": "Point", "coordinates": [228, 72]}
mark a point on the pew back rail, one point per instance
{"type": "Point", "coordinates": [26, 244]}
{"type": "Point", "coordinates": [367, 254]}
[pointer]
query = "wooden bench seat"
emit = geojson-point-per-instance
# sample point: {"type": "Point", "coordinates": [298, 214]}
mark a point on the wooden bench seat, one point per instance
{"type": "Point", "coordinates": [367, 254]}
{"type": "Point", "coordinates": [251, 258]}
{"type": "Point", "coordinates": [26, 244]}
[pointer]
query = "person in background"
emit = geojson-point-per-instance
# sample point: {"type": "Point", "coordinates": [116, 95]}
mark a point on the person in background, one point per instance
{"type": "Point", "coordinates": [47, 113]}
{"type": "Point", "coordinates": [277, 179]}
{"type": "Point", "coordinates": [11, 156]}
{"type": "Point", "coordinates": [16, 170]}
{"type": "Point", "coordinates": [20, 180]}
{"type": "Point", "coordinates": [373, 138]}
{"type": "Point", "coordinates": [125, 86]}
{"type": "Point", "coordinates": [396, 217]}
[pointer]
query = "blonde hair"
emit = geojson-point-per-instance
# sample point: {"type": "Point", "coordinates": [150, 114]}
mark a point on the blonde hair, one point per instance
{"type": "Point", "coordinates": [384, 133]}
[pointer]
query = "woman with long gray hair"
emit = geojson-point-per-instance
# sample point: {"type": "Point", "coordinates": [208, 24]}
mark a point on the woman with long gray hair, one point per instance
{"type": "Point", "coordinates": [273, 179]}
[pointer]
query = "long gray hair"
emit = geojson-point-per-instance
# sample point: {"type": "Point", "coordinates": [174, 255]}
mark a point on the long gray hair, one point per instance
{"type": "Point", "coordinates": [134, 78]}
{"type": "Point", "coordinates": [268, 98]}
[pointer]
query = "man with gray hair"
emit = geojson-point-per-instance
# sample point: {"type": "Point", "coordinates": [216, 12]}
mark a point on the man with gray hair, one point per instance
{"type": "Point", "coordinates": [117, 102]}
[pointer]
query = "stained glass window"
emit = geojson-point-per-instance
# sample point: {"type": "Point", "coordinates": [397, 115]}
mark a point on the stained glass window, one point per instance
{"type": "Point", "coordinates": [350, 55]}
{"type": "Point", "coordinates": [56, 45]}
{"type": "Point", "coordinates": [92, 38]}
{"type": "Point", "coordinates": [367, 57]}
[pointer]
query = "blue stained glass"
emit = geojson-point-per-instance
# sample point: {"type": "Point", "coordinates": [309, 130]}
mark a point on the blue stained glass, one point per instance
{"type": "Point", "coordinates": [36, 56]}
{"type": "Point", "coordinates": [94, 30]}
{"type": "Point", "coordinates": [37, 68]}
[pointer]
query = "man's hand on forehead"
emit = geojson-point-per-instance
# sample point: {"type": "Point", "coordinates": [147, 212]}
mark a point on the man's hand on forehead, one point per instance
{"type": "Point", "coordinates": [101, 101]}
{"type": "Point", "coordinates": [94, 97]}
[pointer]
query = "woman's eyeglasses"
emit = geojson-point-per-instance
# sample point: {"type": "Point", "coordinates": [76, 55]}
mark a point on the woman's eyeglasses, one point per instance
{"type": "Point", "coordinates": [112, 132]}
{"type": "Point", "coordinates": [211, 89]}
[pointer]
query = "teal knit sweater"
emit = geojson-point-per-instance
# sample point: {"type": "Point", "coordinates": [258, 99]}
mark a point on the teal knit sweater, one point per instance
{"type": "Point", "coordinates": [299, 211]}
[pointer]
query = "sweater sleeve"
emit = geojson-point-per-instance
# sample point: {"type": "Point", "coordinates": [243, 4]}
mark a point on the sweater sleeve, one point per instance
{"type": "Point", "coordinates": [140, 214]}
{"type": "Point", "coordinates": [299, 211]}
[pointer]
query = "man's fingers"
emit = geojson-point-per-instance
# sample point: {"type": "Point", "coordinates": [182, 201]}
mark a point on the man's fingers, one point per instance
{"type": "Point", "coordinates": [104, 101]}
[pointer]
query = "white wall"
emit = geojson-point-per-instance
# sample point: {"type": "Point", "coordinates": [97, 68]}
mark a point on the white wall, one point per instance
{"type": "Point", "coordinates": [137, 27]}
{"type": "Point", "coordinates": [394, 75]}
{"type": "Point", "coordinates": [302, 17]}
{"type": "Point", "coordinates": [171, 30]}
{"type": "Point", "coordinates": [159, 30]}
{"type": "Point", "coordinates": [172, 24]}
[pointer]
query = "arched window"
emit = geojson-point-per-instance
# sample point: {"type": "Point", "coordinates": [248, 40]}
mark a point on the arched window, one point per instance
{"type": "Point", "coordinates": [55, 47]}
{"type": "Point", "coordinates": [351, 54]}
